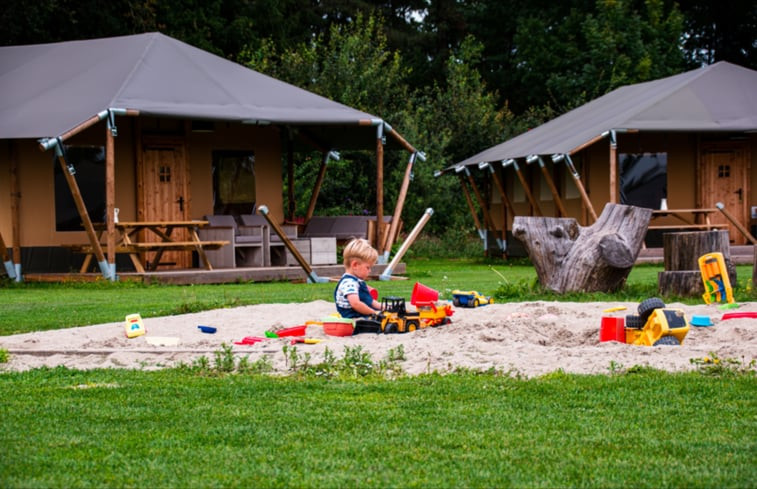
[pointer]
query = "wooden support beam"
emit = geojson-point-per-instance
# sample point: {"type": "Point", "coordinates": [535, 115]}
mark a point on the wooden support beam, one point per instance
{"type": "Point", "coordinates": [552, 188]}
{"type": "Point", "coordinates": [46, 144]}
{"type": "Point", "coordinates": [735, 222]}
{"type": "Point", "coordinates": [579, 185]}
{"type": "Point", "coordinates": [469, 201]}
{"type": "Point", "coordinates": [317, 186]}
{"type": "Point", "coordinates": [401, 140]}
{"type": "Point", "coordinates": [291, 202]}
{"type": "Point", "coordinates": [394, 226]}
{"type": "Point", "coordinates": [527, 189]}
{"type": "Point", "coordinates": [15, 208]}
{"type": "Point", "coordinates": [484, 208]}
{"type": "Point", "coordinates": [110, 198]}
{"type": "Point", "coordinates": [505, 201]}
{"type": "Point", "coordinates": [379, 187]}
{"type": "Point", "coordinates": [502, 193]}
{"type": "Point", "coordinates": [83, 213]}
{"type": "Point", "coordinates": [613, 168]}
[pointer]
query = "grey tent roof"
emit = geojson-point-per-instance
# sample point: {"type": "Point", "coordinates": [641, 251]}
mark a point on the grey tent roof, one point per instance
{"type": "Point", "coordinates": [719, 97]}
{"type": "Point", "coordinates": [48, 89]}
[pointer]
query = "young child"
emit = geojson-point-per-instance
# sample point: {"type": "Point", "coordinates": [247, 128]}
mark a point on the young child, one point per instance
{"type": "Point", "coordinates": [352, 296]}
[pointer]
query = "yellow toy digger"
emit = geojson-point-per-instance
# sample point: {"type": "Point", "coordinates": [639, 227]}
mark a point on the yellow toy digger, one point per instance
{"type": "Point", "coordinates": [395, 318]}
{"type": "Point", "coordinates": [656, 325]}
{"type": "Point", "coordinates": [717, 285]}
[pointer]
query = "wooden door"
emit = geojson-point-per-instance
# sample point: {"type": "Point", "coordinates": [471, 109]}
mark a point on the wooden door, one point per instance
{"type": "Point", "coordinates": [165, 195]}
{"type": "Point", "coordinates": [725, 169]}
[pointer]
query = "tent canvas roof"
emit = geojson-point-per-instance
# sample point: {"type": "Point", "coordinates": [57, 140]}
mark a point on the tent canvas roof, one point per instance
{"type": "Point", "coordinates": [719, 97]}
{"type": "Point", "coordinates": [49, 89]}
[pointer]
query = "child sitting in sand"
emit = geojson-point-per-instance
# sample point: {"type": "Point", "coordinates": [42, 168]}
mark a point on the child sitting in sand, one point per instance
{"type": "Point", "coordinates": [352, 295]}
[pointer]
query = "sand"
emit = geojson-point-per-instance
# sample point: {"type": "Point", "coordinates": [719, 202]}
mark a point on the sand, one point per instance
{"type": "Point", "coordinates": [526, 339]}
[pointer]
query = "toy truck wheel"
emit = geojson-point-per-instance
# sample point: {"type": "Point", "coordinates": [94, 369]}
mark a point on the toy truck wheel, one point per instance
{"type": "Point", "coordinates": [667, 340]}
{"type": "Point", "coordinates": [390, 328]}
{"type": "Point", "coordinates": [412, 325]}
{"type": "Point", "coordinates": [648, 306]}
{"type": "Point", "coordinates": [475, 303]}
{"type": "Point", "coordinates": [456, 301]}
{"type": "Point", "coordinates": [634, 322]}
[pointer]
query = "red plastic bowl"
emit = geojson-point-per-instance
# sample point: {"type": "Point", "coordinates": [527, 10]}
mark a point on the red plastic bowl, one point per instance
{"type": "Point", "coordinates": [338, 327]}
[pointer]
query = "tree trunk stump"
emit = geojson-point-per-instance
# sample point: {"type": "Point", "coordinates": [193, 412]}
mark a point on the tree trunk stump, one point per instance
{"type": "Point", "coordinates": [572, 258]}
{"type": "Point", "coordinates": [681, 254]}
{"type": "Point", "coordinates": [682, 283]}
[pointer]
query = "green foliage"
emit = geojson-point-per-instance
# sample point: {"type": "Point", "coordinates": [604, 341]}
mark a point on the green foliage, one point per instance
{"type": "Point", "coordinates": [4, 355]}
{"type": "Point", "coordinates": [354, 364]}
{"type": "Point", "coordinates": [589, 53]}
{"type": "Point", "coordinates": [174, 428]}
{"type": "Point", "coordinates": [716, 366]}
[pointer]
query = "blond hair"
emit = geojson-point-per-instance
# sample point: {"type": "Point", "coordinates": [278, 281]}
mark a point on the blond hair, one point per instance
{"type": "Point", "coordinates": [359, 249]}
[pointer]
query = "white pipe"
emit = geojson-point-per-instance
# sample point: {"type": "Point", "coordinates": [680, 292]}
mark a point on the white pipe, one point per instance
{"type": "Point", "coordinates": [387, 275]}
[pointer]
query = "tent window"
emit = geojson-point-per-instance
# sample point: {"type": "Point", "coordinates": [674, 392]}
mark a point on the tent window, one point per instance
{"type": "Point", "coordinates": [233, 182]}
{"type": "Point", "coordinates": [643, 179]}
{"type": "Point", "coordinates": [89, 164]}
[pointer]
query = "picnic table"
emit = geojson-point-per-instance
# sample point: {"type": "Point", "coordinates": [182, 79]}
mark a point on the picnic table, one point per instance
{"type": "Point", "coordinates": [687, 223]}
{"type": "Point", "coordinates": [128, 242]}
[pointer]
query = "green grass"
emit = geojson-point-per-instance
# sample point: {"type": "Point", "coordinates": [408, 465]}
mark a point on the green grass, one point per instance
{"type": "Point", "coordinates": [356, 422]}
{"type": "Point", "coordinates": [184, 428]}
{"type": "Point", "coordinates": [38, 306]}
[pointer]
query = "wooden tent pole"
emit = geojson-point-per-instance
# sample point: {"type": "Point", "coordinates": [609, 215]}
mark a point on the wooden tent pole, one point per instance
{"type": "Point", "coordinates": [394, 226]}
{"type": "Point", "coordinates": [291, 203]}
{"type": "Point", "coordinates": [508, 205]}
{"type": "Point", "coordinates": [318, 182]}
{"type": "Point", "coordinates": [400, 139]}
{"type": "Point", "coordinates": [484, 209]}
{"type": "Point", "coordinates": [15, 211]}
{"type": "Point", "coordinates": [613, 168]}
{"type": "Point", "coordinates": [68, 173]}
{"type": "Point", "coordinates": [110, 195]}
{"type": "Point", "coordinates": [552, 188]}
{"type": "Point", "coordinates": [379, 183]}
{"type": "Point", "coordinates": [50, 143]}
{"type": "Point", "coordinates": [577, 180]}
{"type": "Point", "coordinates": [502, 193]}
{"type": "Point", "coordinates": [525, 186]}
{"type": "Point", "coordinates": [721, 207]}
{"type": "Point", "coordinates": [469, 201]}
{"type": "Point", "coordinates": [6, 258]}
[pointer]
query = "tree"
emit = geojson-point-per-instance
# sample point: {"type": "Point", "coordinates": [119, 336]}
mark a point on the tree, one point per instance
{"type": "Point", "coordinates": [721, 32]}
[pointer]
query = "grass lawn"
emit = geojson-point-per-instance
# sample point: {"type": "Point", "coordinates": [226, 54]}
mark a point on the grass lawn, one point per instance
{"type": "Point", "coordinates": [345, 423]}
{"type": "Point", "coordinates": [184, 428]}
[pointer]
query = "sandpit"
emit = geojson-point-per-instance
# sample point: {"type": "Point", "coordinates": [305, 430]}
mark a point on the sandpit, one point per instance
{"type": "Point", "coordinates": [523, 338]}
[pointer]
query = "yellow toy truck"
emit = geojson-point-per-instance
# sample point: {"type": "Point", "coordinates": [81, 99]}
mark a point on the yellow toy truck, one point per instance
{"type": "Point", "coordinates": [656, 325]}
{"type": "Point", "coordinates": [395, 318]}
{"type": "Point", "coordinates": [470, 298]}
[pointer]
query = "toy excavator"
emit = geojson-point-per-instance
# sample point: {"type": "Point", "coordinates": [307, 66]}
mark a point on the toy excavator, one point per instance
{"type": "Point", "coordinates": [717, 285]}
{"type": "Point", "coordinates": [656, 325]}
{"type": "Point", "coordinates": [395, 318]}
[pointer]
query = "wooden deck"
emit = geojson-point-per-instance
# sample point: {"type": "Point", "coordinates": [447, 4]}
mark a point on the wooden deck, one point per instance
{"type": "Point", "coordinates": [219, 276]}
{"type": "Point", "coordinates": [740, 255]}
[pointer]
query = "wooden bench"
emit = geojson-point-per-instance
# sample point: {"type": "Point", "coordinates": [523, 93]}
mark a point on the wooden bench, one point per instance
{"type": "Point", "coordinates": [707, 227]}
{"type": "Point", "coordinates": [132, 249]}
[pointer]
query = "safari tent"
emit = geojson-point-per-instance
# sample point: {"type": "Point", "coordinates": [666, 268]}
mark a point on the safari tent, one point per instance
{"type": "Point", "coordinates": [147, 128]}
{"type": "Point", "coordinates": [678, 145]}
